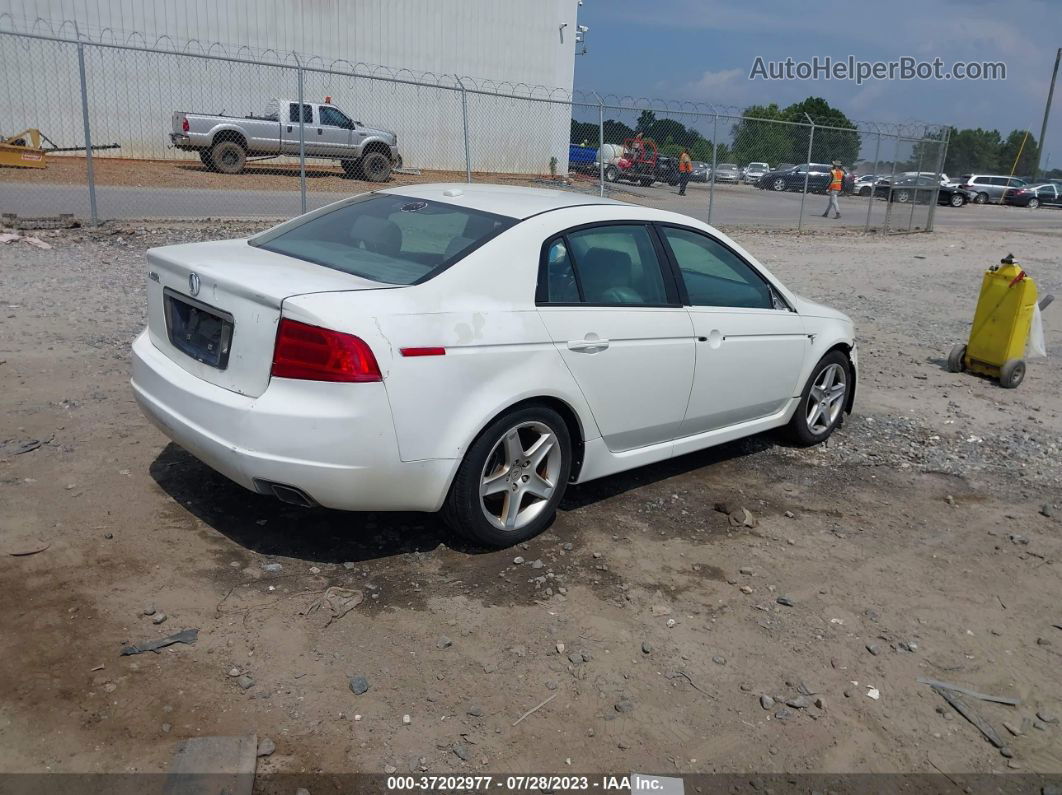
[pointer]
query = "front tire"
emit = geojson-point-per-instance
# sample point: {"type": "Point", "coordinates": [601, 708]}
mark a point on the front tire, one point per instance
{"type": "Point", "coordinates": [822, 403]}
{"type": "Point", "coordinates": [512, 478]}
{"type": "Point", "coordinates": [376, 167]}
{"type": "Point", "coordinates": [981, 198]}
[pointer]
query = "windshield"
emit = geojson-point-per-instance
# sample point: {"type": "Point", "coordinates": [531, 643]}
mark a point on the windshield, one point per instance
{"type": "Point", "coordinates": [385, 237]}
{"type": "Point", "coordinates": [729, 166]}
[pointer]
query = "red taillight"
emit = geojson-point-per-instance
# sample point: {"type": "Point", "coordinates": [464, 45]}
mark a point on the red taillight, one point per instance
{"type": "Point", "coordinates": [319, 354]}
{"type": "Point", "coordinates": [184, 124]}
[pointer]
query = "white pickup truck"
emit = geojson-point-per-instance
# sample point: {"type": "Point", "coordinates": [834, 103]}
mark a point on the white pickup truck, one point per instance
{"type": "Point", "coordinates": [225, 143]}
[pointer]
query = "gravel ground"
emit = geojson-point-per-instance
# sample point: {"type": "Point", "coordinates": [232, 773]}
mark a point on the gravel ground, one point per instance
{"type": "Point", "coordinates": [923, 540]}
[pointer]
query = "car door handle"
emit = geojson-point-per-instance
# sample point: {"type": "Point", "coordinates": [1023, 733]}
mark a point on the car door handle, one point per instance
{"type": "Point", "coordinates": [587, 346]}
{"type": "Point", "coordinates": [320, 131]}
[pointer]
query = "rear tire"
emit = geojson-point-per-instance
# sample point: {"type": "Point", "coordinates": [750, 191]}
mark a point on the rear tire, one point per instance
{"type": "Point", "coordinates": [611, 173]}
{"type": "Point", "coordinates": [822, 402]}
{"type": "Point", "coordinates": [229, 157]}
{"type": "Point", "coordinates": [779, 184]}
{"type": "Point", "coordinates": [957, 358]}
{"type": "Point", "coordinates": [957, 200]}
{"type": "Point", "coordinates": [1033, 204]}
{"type": "Point", "coordinates": [1012, 373]}
{"type": "Point", "coordinates": [376, 166]}
{"type": "Point", "coordinates": [524, 455]}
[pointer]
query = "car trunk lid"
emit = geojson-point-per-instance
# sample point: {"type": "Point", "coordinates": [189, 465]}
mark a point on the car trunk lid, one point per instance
{"type": "Point", "coordinates": [213, 308]}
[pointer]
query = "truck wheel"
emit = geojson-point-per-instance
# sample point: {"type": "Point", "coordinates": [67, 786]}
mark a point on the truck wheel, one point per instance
{"type": "Point", "coordinates": [204, 155]}
{"type": "Point", "coordinates": [376, 167]}
{"type": "Point", "coordinates": [1011, 373]}
{"type": "Point", "coordinates": [228, 156]}
{"type": "Point", "coordinates": [352, 168]}
{"type": "Point", "coordinates": [397, 162]}
{"type": "Point", "coordinates": [611, 173]}
{"type": "Point", "coordinates": [957, 358]}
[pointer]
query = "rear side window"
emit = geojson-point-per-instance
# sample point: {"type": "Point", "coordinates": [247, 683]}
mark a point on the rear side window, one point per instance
{"type": "Point", "coordinates": [608, 265]}
{"type": "Point", "coordinates": [386, 238]}
{"type": "Point", "coordinates": [293, 113]}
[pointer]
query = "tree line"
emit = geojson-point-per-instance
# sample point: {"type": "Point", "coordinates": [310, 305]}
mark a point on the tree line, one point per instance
{"type": "Point", "coordinates": [775, 135]}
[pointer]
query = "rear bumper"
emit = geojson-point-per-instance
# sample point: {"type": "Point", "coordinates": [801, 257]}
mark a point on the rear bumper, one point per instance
{"type": "Point", "coordinates": [334, 442]}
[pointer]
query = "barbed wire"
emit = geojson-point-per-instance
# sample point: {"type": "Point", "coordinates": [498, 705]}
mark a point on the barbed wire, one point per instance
{"type": "Point", "coordinates": [135, 40]}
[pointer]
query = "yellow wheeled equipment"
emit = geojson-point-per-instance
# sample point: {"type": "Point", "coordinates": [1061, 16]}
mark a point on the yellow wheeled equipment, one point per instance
{"type": "Point", "coordinates": [25, 150]}
{"type": "Point", "coordinates": [1001, 325]}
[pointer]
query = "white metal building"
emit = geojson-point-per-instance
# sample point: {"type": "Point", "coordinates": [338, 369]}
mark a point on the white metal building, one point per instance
{"type": "Point", "coordinates": [524, 47]}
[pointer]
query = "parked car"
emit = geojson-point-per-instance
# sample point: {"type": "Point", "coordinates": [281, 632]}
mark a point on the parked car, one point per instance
{"type": "Point", "coordinates": [1045, 194]}
{"type": "Point", "coordinates": [920, 190]}
{"type": "Point", "coordinates": [753, 171]}
{"type": "Point", "coordinates": [727, 172]}
{"type": "Point", "coordinates": [989, 187]}
{"type": "Point", "coordinates": [475, 349]}
{"type": "Point", "coordinates": [864, 185]}
{"type": "Point", "coordinates": [818, 179]}
{"type": "Point", "coordinates": [700, 171]}
{"type": "Point", "coordinates": [225, 142]}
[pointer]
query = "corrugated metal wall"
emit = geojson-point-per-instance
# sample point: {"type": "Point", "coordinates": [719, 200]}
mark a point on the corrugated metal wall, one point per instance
{"type": "Point", "coordinates": [518, 41]}
{"type": "Point", "coordinates": [509, 46]}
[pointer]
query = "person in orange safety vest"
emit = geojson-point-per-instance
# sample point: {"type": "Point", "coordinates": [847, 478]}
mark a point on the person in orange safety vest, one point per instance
{"type": "Point", "coordinates": [685, 169]}
{"type": "Point", "coordinates": [836, 183]}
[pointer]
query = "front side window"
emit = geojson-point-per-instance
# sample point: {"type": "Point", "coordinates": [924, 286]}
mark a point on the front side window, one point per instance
{"type": "Point", "coordinates": [610, 265]}
{"type": "Point", "coordinates": [385, 237]}
{"type": "Point", "coordinates": [334, 118]}
{"type": "Point", "coordinates": [713, 274]}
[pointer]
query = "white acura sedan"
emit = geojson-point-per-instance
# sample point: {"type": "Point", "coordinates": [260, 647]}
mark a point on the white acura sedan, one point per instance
{"type": "Point", "coordinates": [476, 348]}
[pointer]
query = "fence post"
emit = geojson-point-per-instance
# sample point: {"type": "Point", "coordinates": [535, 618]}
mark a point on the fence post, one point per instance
{"type": "Point", "coordinates": [600, 146]}
{"type": "Point", "coordinates": [91, 174]}
{"type": "Point", "coordinates": [870, 204]}
{"type": "Point", "coordinates": [715, 160]}
{"type": "Point", "coordinates": [892, 181]}
{"type": "Point", "coordinates": [940, 169]}
{"type": "Point", "coordinates": [302, 140]}
{"type": "Point", "coordinates": [464, 122]}
{"type": "Point", "coordinates": [807, 173]}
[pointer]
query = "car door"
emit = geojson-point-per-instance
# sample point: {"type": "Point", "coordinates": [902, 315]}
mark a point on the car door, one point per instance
{"type": "Point", "coordinates": [289, 127]}
{"type": "Point", "coordinates": [333, 134]}
{"type": "Point", "coordinates": [750, 345]}
{"type": "Point", "coordinates": [610, 304]}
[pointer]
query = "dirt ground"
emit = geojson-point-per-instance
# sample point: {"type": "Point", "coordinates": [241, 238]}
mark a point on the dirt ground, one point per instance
{"type": "Point", "coordinates": [266, 175]}
{"type": "Point", "coordinates": [923, 541]}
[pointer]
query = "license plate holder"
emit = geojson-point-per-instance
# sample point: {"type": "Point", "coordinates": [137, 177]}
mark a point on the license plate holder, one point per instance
{"type": "Point", "coordinates": [198, 330]}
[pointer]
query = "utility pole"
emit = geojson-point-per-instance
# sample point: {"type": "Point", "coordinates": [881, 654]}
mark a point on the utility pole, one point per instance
{"type": "Point", "coordinates": [1047, 112]}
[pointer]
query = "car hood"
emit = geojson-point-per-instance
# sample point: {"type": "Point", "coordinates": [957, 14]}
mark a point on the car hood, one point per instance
{"type": "Point", "coordinates": [376, 132]}
{"type": "Point", "coordinates": [808, 308]}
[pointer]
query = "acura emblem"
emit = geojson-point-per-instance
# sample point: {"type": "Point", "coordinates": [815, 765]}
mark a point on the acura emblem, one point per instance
{"type": "Point", "coordinates": [193, 283]}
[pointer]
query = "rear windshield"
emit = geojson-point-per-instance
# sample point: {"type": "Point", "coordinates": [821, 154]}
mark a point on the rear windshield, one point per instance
{"type": "Point", "coordinates": [386, 238]}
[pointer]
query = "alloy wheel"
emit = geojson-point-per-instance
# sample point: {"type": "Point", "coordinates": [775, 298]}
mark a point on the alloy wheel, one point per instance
{"type": "Point", "coordinates": [826, 399]}
{"type": "Point", "coordinates": [520, 475]}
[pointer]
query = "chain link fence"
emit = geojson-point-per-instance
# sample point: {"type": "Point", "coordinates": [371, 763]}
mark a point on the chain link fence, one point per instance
{"type": "Point", "coordinates": [162, 133]}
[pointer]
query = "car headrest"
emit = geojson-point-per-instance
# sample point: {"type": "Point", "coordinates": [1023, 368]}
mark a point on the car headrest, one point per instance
{"type": "Point", "coordinates": [379, 235]}
{"type": "Point", "coordinates": [602, 268]}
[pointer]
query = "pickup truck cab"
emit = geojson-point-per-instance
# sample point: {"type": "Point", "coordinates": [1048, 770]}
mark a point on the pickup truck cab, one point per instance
{"type": "Point", "coordinates": [225, 143]}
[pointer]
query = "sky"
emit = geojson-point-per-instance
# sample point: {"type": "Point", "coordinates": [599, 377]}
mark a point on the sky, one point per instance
{"type": "Point", "coordinates": [703, 50]}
